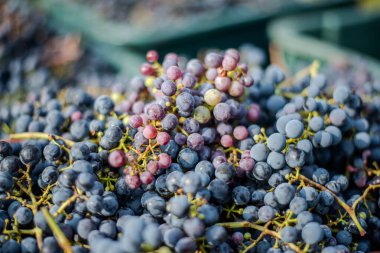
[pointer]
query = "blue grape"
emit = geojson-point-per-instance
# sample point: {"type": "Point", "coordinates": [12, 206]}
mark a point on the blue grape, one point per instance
{"type": "Point", "coordinates": [284, 193]}
{"type": "Point", "coordinates": [294, 129]}
{"type": "Point", "coordinates": [216, 235]}
{"type": "Point", "coordinates": [312, 233]}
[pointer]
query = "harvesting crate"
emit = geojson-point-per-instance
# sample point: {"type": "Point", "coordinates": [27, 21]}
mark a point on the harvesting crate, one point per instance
{"type": "Point", "coordinates": [329, 36]}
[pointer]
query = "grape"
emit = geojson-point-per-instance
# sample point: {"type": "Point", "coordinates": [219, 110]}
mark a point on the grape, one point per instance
{"type": "Point", "coordinates": [213, 60]}
{"type": "Point", "coordinates": [224, 172]}
{"type": "Point", "coordinates": [341, 94]}
{"type": "Point", "coordinates": [266, 213]}
{"type": "Point", "coordinates": [321, 176]}
{"type": "Point", "coordinates": [80, 151]}
{"type": "Point", "coordinates": [10, 164]}
{"type": "Point", "coordinates": [202, 114]}
{"type": "Point", "coordinates": [194, 227]}
{"type": "Point", "coordinates": [304, 218]}
{"type": "Point", "coordinates": [213, 97]}
{"type": "Point", "coordinates": [305, 145]}
{"type": "Point", "coordinates": [195, 141]}
{"type": "Point", "coordinates": [326, 198]}
{"type": "Point", "coordinates": [85, 226]}
{"type": "Point", "coordinates": [23, 215]}
{"type": "Point", "coordinates": [250, 213]}
{"type": "Point", "coordinates": [338, 117]}
{"type": "Point", "coordinates": [275, 179]}
{"type": "Point", "coordinates": [55, 119]}
{"type": "Point", "coordinates": [117, 159]}
{"type": "Point", "coordinates": [294, 157]}
{"type": "Point", "coordinates": [284, 193]}
{"type": "Point", "coordinates": [169, 122]}
{"type": "Point", "coordinates": [276, 160]}
{"type": "Point", "coordinates": [216, 235]}
{"type": "Point", "coordinates": [185, 244]}
{"type": "Point", "coordinates": [323, 139]}
{"type": "Point", "coordinates": [188, 158]}
{"type": "Point", "coordinates": [30, 155]}
{"type": "Point", "coordinates": [150, 132]}
{"type": "Point", "coordinates": [219, 190]}
{"type": "Point", "coordinates": [333, 186]}
{"type": "Point", "coordinates": [178, 206]}
{"type": "Point", "coordinates": [52, 152]}
{"type": "Point", "coordinates": [79, 129]}
{"type": "Point", "coordinates": [259, 152]}
{"type": "Point", "coordinates": [222, 112]}
{"type": "Point", "coordinates": [310, 194]}
{"type": "Point", "coordinates": [316, 123]}
{"type": "Point", "coordinates": [29, 245]}
{"type": "Point", "coordinates": [276, 142]}
{"type": "Point", "coordinates": [185, 102]}
{"type": "Point", "coordinates": [210, 214]}
{"type": "Point", "coordinates": [336, 134]}
{"type": "Point", "coordinates": [241, 195]}
{"type": "Point", "coordinates": [288, 234]}
{"type": "Point", "coordinates": [312, 233]}
{"type": "Point", "coordinates": [262, 171]}
{"type": "Point", "coordinates": [172, 236]}
{"type": "Point", "coordinates": [152, 236]}
{"type": "Point", "coordinates": [344, 237]}
{"type": "Point", "coordinates": [94, 204]}
{"type": "Point", "coordinates": [342, 181]}
{"type": "Point", "coordinates": [10, 246]}
{"type": "Point", "coordinates": [294, 128]}
{"type": "Point", "coordinates": [206, 167]}
{"type": "Point", "coordinates": [190, 182]}
{"type": "Point", "coordinates": [298, 205]}
{"type": "Point", "coordinates": [362, 140]}
{"type": "Point", "coordinates": [110, 205]}
{"type": "Point", "coordinates": [104, 105]}
{"type": "Point", "coordinates": [5, 181]}
{"type": "Point", "coordinates": [168, 87]}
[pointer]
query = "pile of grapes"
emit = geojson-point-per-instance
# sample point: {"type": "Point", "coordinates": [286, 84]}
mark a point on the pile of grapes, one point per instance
{"type": "Point", "coordinates": [212, 157]}
{"type": "Point", "coordinates": [33, 55]}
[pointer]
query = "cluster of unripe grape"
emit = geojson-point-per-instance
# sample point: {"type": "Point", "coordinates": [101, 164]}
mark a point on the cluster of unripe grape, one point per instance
{"type": "Point", "coordinates": [209, 156]}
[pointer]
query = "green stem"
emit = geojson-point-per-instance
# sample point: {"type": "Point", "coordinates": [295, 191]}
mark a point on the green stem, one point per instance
{"type": "Point", "coordinates": [39, 135]}
{"type": "Point", "coordinates": [350, 210]}
{"type": "Point", "coordinates": [63, 242]}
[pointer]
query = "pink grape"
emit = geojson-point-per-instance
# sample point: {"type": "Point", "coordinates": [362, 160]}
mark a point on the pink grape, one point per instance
{"type": "Point", "coordinates": [226, 141]}
{"type": "Point", "coordinates": [117, 159]}
{"type": "Point", "coordinates": [146, 69]}
{"type": "Point", "coordinates": [150, 132]}
{"type": "Point", "coordinates": [146, 177]}
{"type": "Point", "coordinates": [164, 161]}
{"type": "Point", "coordinates": [163, 138]}
{"type": "Point", "coordinates": [152, 56]}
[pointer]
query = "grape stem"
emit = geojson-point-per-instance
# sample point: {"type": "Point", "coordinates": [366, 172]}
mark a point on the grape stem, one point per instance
{"type": "Point", "coordinates": [39, 135]}
{"type": "Point", "coordinates": [63, 242]}
{"type": "Point", "coordinates": [349, 209]}
{"type": "Point", "coordinates": [263, 229]}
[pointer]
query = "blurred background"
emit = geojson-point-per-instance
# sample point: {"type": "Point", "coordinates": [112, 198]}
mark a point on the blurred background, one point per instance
{"type": "Point", "coordinates": [97, 43]}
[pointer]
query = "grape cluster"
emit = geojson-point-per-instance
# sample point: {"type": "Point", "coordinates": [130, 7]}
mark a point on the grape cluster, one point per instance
{"type": "Point", "coordinates": [206, 156]}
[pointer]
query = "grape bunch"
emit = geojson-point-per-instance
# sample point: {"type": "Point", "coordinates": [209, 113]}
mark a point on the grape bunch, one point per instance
{"type": "Point", "coordinates": [200, 156]}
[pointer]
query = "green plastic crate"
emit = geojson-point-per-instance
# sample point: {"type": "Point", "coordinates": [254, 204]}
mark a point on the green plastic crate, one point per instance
{"type": "Point", "coordinates": [328, 36]}
{"type": "Point", "coordinates": [92, 25]}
